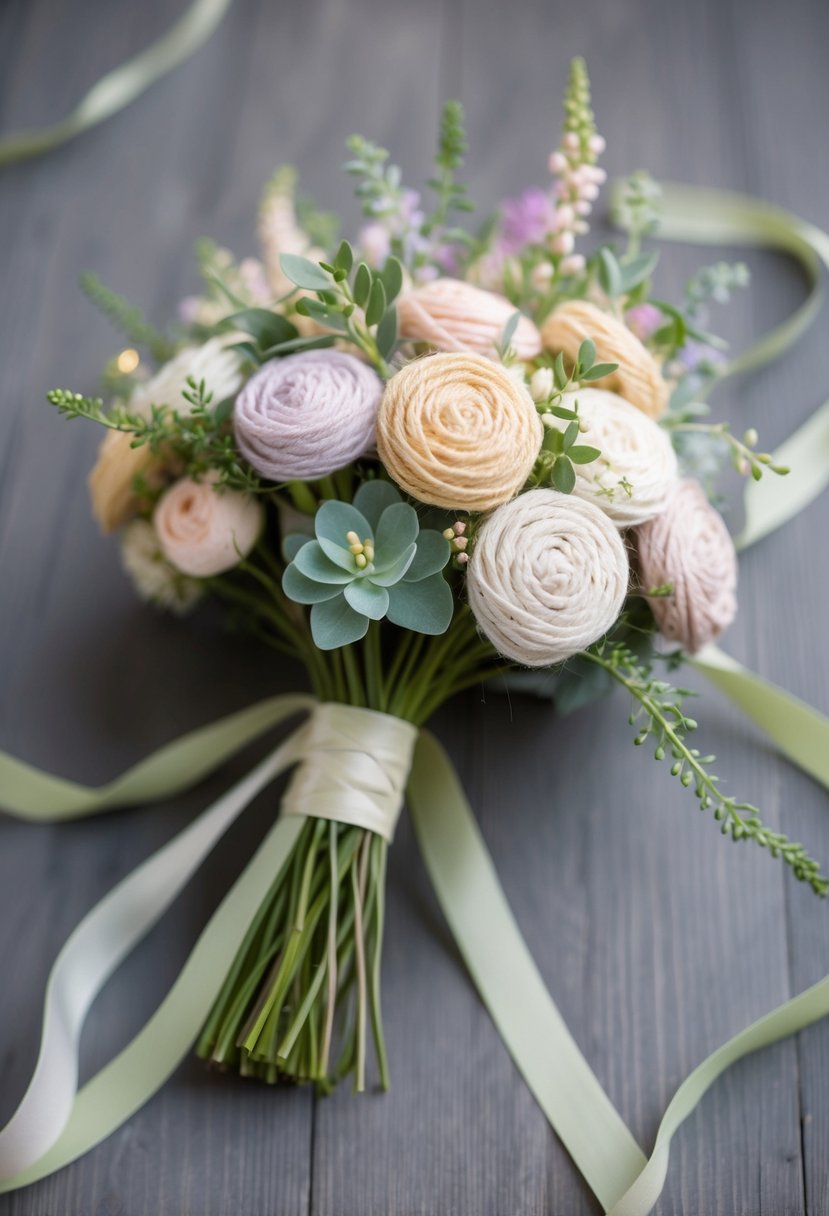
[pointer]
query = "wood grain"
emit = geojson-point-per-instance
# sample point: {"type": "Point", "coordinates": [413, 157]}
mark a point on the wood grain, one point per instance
{"type": "Point", "coordinates": [657, 939]}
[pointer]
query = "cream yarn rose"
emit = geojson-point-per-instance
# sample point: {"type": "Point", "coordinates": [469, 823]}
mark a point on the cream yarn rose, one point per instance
{"type": "Point", "coordinates": [547, 577]}
{"type": "Point", "coordinates": [689, 547]}
{"type": "Point", "coordinates": [112, 479]}
{"type": "Point", "coordinates": [306, 415]}
{"type": "Point", "coordinates": [458, 431]}
{"type": "Point", "coordinates": [204, 531]}
{"type": "Point", "coordinates": [636, 473]}
{"type": "Point", "coordinates": [451, 315]}
{"type": "Point", "coordinates": [638, 378]}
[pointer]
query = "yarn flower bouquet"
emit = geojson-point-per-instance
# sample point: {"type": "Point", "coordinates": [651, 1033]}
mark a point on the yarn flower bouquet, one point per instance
{"type": "Point", "coordinates": [423, 461]}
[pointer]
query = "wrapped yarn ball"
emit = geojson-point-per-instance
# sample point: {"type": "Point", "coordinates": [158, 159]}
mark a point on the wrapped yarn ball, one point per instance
{"type": "Point", "coordinates": [306, 415]}
{"type": "Point", "coordinates": [458, 431]}
{"type": "Point", "coordinates": [637, 378]}
{"type": "Point", "coordinates": [690, 548]}
{"type": "Point", "coordinates": [112, 479]}
{"type": "Point", "coordinates": [548, 576]}
{"type": "Point", "coordinates": [451, 315]}
{"type": "Point", "coordinates": [204, 531]}
{"type": "Point", "coordinates": [636, 473]}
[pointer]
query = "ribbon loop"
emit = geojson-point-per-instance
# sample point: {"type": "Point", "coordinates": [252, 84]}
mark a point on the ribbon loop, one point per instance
{"type": "Point", "coordinates": [354, 768]}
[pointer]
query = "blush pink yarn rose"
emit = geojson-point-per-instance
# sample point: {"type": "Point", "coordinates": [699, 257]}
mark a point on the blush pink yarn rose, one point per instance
{"type": "Point", "coordinates": [454, 316]}
{"type": "Point", "coordinates": [689, 547]}
{"type": "Point", "coordinates": [204, 531]}
{"type": "Point", "coordinates": [306, 415]}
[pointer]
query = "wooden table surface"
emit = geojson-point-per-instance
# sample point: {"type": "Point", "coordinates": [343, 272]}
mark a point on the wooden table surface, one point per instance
{"type": "Point", "coordinates": [657, 938]}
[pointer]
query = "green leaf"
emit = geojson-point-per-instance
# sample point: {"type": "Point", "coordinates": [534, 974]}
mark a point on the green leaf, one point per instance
{"type": "Point", "coordinates": [373, 497]}
{"type": "Point", "coordinates": [266, 327]}
{"type": "Point", "coordinates": [564, 475]}
{"type": "Point", "coordinates": [292, 543]}
{"type": "Point", "coordinates": [304, 273]}
{"type": "Point", "coordinates": [321, 312]}
{"type": "Point", "coordinates": [345, 257]}
{"type": "Point", "coordinates": [303, 590]}
{"type": "Point", "coordinates": [393, 573]}
{"type": "Point", "coordinates": [553, 440]}
{"type": "Point", "coordinates": [294, 344]}
{"type": "Point", "coordinates": [610, 273]}
{"type": "Point", "coordinates": [423, 607]}
{"type": "Point", "coordinates": [387, 333]}
{"type": "Point", "coordinates": [335, 623]}
{"type": "Point", "coordinates": [376, 303]}
{"type": "Point", "coordinates": [587, 354]}
{"type": "Point", "coordinates": [509, 329]}
{"type": "Point", "coordinates": [335, 519]}
{"type": "Point", "coordinates": [367, 598]}
{"type": "Point", "coordinates": [599, 370]}
{"type": "Point", "coordinates": [362, 285]}
{"type": "Point", "coordinates": [398, 528]}
{"type": "Point", "coordinates": [638, 269]}
{"type": "Point", "coordinates": [432, 555]}
{"type": "Point", "coordinates": [560, 411]}
{"type": "Point", "coordinates": [582, 453]}
{"type": "Point", "coordinates": [314, 564]}
{"type": "Point", "coordinates": [571, 434]}
{"type": "Point", "coordinates": [559, 371]}
{"type": "Point", "coordinates": [224, 409]}
{"type": "Point", "coordinates": [392, 276]}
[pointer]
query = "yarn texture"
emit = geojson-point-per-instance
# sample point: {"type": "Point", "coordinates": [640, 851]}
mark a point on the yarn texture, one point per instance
{"type": "Point", "coordinates": [203, 531]}
{"type": "Point", "coordinates": [636, 474]}
{"type": "Point", "coordinates": [451, 315]}
{"type": "Point", "coordinates": [548, 576]}
{"type": "Point", "coordinates": [638, 378]}
{"type": "Point", "coordinates": [306, 415]}
{"type": "Point", "coordinates": [689, 547]}
{"type": "Point", "coordinates": [458, 431]}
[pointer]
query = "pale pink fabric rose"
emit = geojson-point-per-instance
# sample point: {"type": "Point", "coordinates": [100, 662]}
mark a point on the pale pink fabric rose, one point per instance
{"type": "Point", "coordinates": [204, 530]}
{"type": "Point", "coordinates": [454, 316]}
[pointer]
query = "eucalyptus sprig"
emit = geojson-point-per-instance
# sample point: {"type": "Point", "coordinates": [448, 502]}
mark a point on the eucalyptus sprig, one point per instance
{"type": "Point", "coordinates": [744, 457]}
{"type": "Point", "coordinates": [560, 449]}
{"type": "Point", "coordinates": [451, 195]}
{"type": "Point", "coordinates": [660, 719]}
{"type": "Point", "coordinates": [127, 318]}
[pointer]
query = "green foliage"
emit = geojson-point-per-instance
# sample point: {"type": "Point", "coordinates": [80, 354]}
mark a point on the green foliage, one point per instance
{"type": "Point", "coordinates": [714, 284]}
{"type": "Point", "coordinates": [578, 115]}
{"type": "Point", "coordinates": [660, 719]}
{"type": "Point", "coordinates": [639, 208]}
{"type": "Point", "coordinates": [452, 148]}
{"type": "Point", "coordinates": [560, 449]}
{"type": "Point", "coordinates": [370, 560]}
{"type": "Point", "coordinates": [127, 318]}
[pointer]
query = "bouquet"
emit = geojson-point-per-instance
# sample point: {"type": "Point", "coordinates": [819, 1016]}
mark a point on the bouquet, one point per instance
{"type": "Point", "coordinates": [440, 456]}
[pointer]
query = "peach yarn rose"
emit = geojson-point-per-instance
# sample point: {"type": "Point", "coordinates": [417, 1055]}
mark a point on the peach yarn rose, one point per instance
{"type": "Point", "coordinates": [203, 530]}
{"type": "Point", "coordinates": [638, 378]}
{"type": "Point", "coordinates": [458, 431]}
{"type": "Point", "coordinates": [689, 547]}
{"type": "Point", "coordinates": [451, 315]}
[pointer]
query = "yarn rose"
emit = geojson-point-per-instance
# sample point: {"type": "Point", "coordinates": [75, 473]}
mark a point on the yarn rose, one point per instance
{"type": "Point", "coordinates": [458, 431]}
{"type": "Point", "coordinates": [112, 479]}
{"type": "Point", "coordinates": [306, 415]}
{"type": "Point", "coordinates": [451, 315]}
{"type": "Point", "coordinates": [547, 577]}
{"type": "Point", "coordinates": [638, 378]}
{"type": "Point", "coordinates": [689, 547]}
{"type": "Point", "coordinates": [204, 531]}
{"type": "Point", "coordinates": [636, 473]}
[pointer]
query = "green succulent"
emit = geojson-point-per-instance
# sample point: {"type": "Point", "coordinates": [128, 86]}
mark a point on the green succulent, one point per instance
{"type": "Point", "coordinates": [370, 560]}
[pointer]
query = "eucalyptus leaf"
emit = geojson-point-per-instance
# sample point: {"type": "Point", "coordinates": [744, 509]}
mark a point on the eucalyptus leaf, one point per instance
{"type": "Point", "coordinates": [345, 257]}
{"type": "Point", "coordinates": [297, 344]}
{"type": "Point", "coordinates": [376, 306]}
{"type": "Point", "coordinates": [587, 354]}
{"type": "Point", "coordinates": [432, 554]}
{"type": "Point", "coordinates": [335, 519]}
{"type": "Point", "coordinates": [571, 434]}
{"type": "Point", "coordinates": [610, 273]}
{"type": "Point", "coordinates": [559, 371]}
{"type": "Point", "coordinates": [303, 590]}
{"type": "Point", "coordinates": [367, 598]}
{"type": "Point", "coordinates": [265, 327]}
{"type": "Point", "coordinates": [292, 543]}
{"type": "Point", "coordinates": [314, 564]}
{"type": "Point", "coordinates": [424, 607]}
{"type": "Point", "coordinates": [386, 337]}
{"type": "Point", "coordinates": [509, 329]}
{"type": "Point", "coordinates": [599, 370]}
{"type": "Point", "coordinates": [398, 528]}
{"type": "Point", "coordinates": [362, 285]}
{"type": "Point", "coordinates": [335, 623]}
{"type": "Point", "coordinates": [564, 475]}
{"type": "Point", "coordinates": [395, 572]}
{"type": "Point", "coordinates": [304, 273]}
{"type": "Point", "coordinates": [373, 497]}
{"type": "Point", "coordinates": [638, 269]}
{"type": "Point", "coordinates": [582, 453]}
{"type": "Point", "coordinates": [392, 276]}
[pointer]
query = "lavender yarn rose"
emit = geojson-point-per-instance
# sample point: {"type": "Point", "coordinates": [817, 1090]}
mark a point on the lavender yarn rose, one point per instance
{"type": "Point", "coordinates": [306, 415]}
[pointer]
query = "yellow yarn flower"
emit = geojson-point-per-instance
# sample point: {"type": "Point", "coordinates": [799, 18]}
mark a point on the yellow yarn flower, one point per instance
{"type": "Point", "coordinates": [457, 431]}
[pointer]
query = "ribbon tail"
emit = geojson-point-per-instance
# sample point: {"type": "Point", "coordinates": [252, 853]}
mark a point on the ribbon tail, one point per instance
{"type": "Point", "coordinates": [52, 1126]}
{"type": "Point", "coordinates": [508, 980]}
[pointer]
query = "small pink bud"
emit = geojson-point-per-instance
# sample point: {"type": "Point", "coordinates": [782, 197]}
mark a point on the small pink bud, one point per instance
{"type": "Point", "coordinates": [459, 527]}
{"type": "Point", "coordinates": [563, 242]}
{"type": "Point", "coordinates": [557, 162]}
{"type": "Point", "coordinates": [574, 264]}
{"type": "Point", "coordinates": [540, 275]}
{"type": "Point", "coordinates": [565, 215]}
{"type": "Point", "coordinates": [597, 144]}
{"type": "Point", "coordinates": [582, 207]}
{"type": "Point", "coordinates": [589, 191]}
{"type": "Point", "coordinates": [571, 141]}
{"type": "Point", "coordinates": [462, 559]}
{"type": "Point", "coordinates": [580, 227]}
{"type": "Point", "coordinates": [461, 543]}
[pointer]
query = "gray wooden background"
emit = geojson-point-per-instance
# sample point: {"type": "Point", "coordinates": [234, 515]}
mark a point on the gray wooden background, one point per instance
{"type": "Point", "coordinates": [657, 938]}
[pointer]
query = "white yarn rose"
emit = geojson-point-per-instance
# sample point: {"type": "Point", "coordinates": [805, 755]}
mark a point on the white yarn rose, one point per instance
{"type": "Point", "coordinates": [204, 531]}
{"type": "Point", "coordinates": [548, 576]}
{"type": "Point", "coordinates": [636, 474]}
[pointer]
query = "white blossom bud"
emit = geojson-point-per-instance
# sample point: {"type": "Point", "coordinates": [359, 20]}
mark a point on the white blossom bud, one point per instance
{"type": "Point", "coordinates": [541, 384]}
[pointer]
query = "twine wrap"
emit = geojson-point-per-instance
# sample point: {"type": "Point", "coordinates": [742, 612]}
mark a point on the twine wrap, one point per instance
{"type": "Point", "coordinates": [452, 315]}
{"type": "Point", "coordinates": [548, 576]}
{"type": "Point", "coordinates": [203, 531]}
{"type": "Point", "coordinates": [690, 547]}
{"type": "Point", "coordinates": [634, 449]}
{"type": "Point", "coordinates": [638, 378]}
{"type": "Point", "coordinates": [354, 768]}
{"type": "Point", "coordinates": [303, 416]}
{"type": "Point", "coordinates": [457, 431]}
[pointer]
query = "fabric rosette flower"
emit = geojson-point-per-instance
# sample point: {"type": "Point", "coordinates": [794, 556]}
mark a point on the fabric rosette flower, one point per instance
{"type": "Point", "coordinates": [370, 560]}
{"type": "Point", "coordinates": [638, 377]}
{"type": "Point", "coordinates": [458, 431]}
{"type": "Point", "coordinates": [548, 577]}
{"type": "Point", "coordinates": [113, 478]}
{"type": "Point", "coordinates": [306, 415]}
{"type": "Point", "coordinates": [204, 530]}
{"type": "Point", "coordinates": [153, 576]}
{"type": "Point", "coordinates": [451, 315]}
{"type": "Point", "coordinates": [688, 553]}
{"type": "Point", "coordinates": [636, 472]}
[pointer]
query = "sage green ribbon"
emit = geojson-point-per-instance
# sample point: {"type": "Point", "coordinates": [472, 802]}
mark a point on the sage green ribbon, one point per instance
{"type": "Point", "coordinates": [124, 84]}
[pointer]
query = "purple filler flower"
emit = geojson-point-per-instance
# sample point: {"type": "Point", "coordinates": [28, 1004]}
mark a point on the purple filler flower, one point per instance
{"type": "Point", "coordinates": [643, 320]}
{"type": "Point", "coordinates": [525, 220]}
